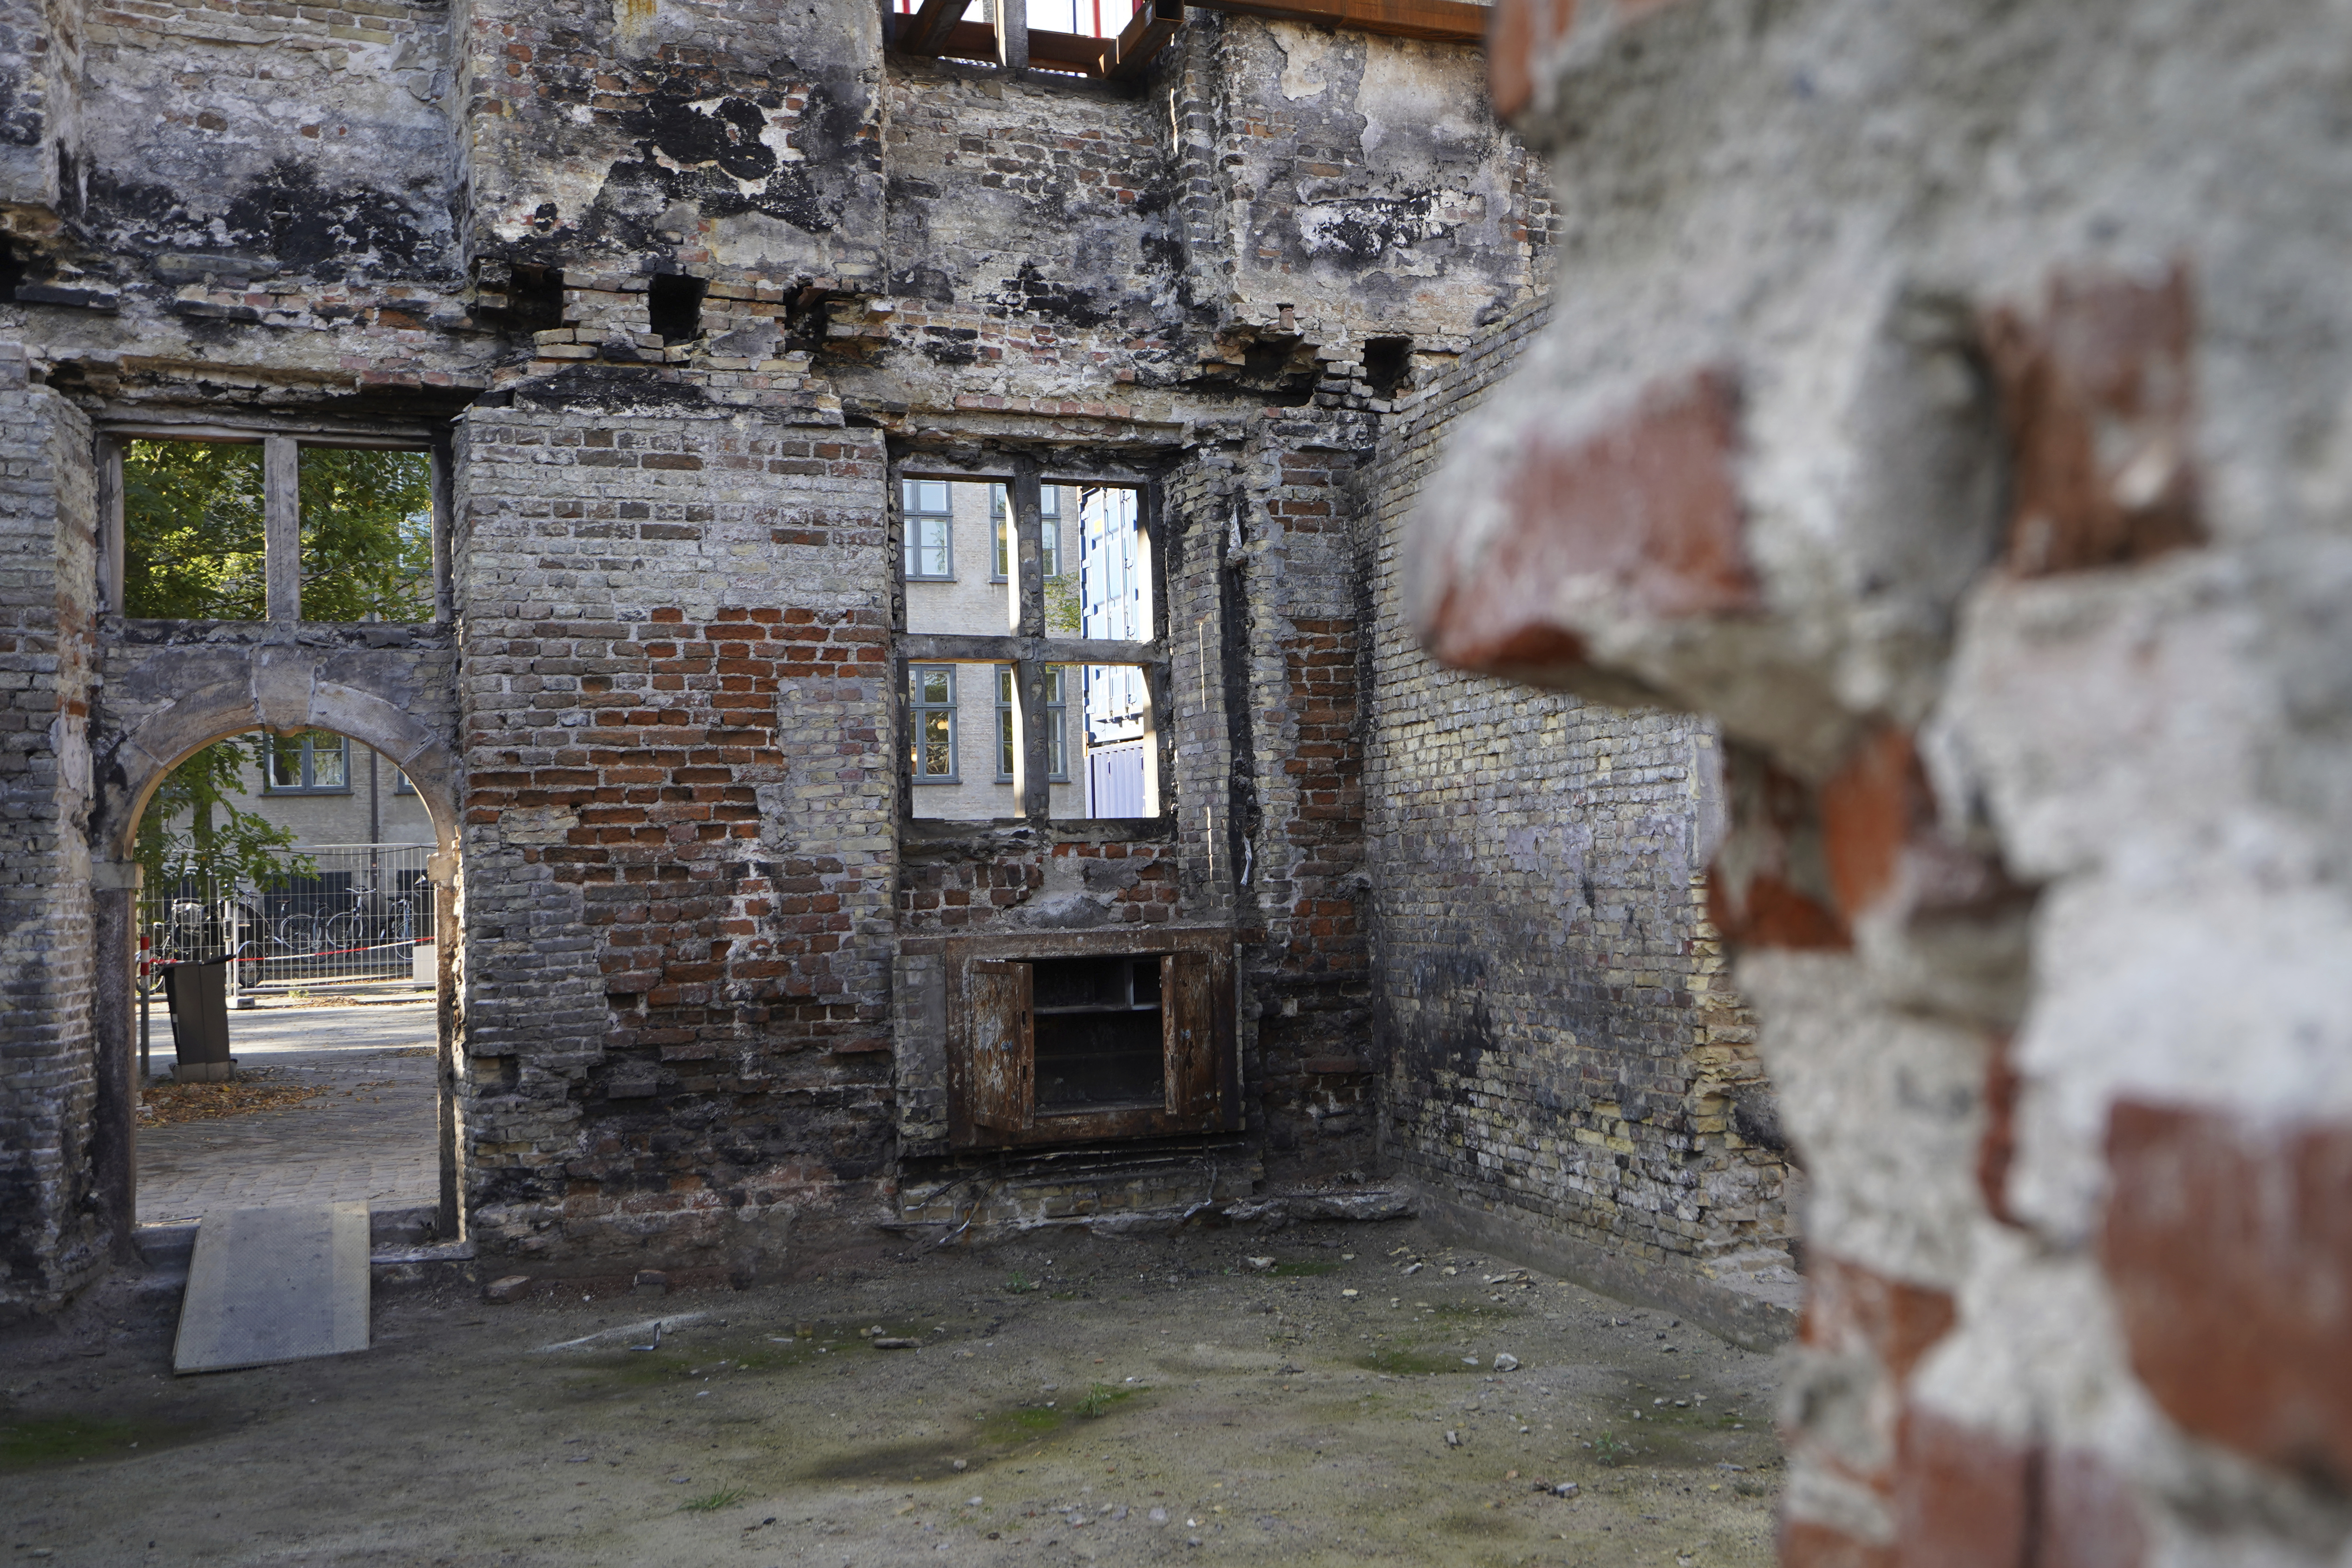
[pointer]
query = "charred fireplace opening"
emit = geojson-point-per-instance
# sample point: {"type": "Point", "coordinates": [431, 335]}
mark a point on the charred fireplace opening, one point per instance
{"type": "Point", "coordinates": [1081, 1036]}
{"type": "Point", "coordinates": [1098, 1042]}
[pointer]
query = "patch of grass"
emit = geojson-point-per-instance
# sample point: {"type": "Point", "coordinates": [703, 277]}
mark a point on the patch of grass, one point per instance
{"type": "Point", "coordinates": [1607, 1450]}
{"type": "Point", "coordinates": [1101, 1398]}
{"type": "Point", "coordinates": [1025, 1421]}
{"type": "Point", "coordinates": [1411, 1362]}
{"type": "Point", "coordinates": [33, 1441]}
{"type": "Point", "coordinates": [1020, 1284]}
{"type": "Point", "coordinates": [1303, 1270]}
{"type": "Point", "coordinates": [711, 1502]}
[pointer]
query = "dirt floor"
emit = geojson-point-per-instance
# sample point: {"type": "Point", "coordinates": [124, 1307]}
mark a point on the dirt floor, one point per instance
{"type": "Point", "coordinates": [1232, 1396]}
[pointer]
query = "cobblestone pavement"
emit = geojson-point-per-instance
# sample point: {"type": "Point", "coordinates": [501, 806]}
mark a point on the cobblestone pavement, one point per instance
{"type": "Point", "coordinates": [371, 1136]}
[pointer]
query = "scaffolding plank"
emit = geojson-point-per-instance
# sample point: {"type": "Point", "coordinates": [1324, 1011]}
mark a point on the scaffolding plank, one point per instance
{"type": "Point", "coordinates": [269, 1285]}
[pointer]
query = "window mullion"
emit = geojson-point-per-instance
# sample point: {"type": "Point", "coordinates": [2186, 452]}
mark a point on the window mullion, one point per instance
{"type": "Point", "coordinates": [1013, 34]}
{"type": "Point", "coordinates": [1032, 781]}
{"type": "Point", "coordinates": [281, 506]}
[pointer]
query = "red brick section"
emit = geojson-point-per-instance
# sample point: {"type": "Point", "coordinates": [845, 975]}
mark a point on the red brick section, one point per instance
{"type": "Point", "coordinates": [705, 940]}
{"type": "Point", "coordinates": [1768, 886]}
{"type": "Point", "coordinates": [2098, 397]}
{"type": "Point", "coordinates": [1871, 807]}
{"type": "Point", "coordinates": [1520, 30]}
{"type": "Point", "coordinates": [1809, 1544]}
{"type": "Point", "coordinates": [1849, 1307]}
{"type": "Point", "coordinates": [1327, 765]}
{"type": "Point", "coordinates": [1997, 1147]}
{"type": "Point", "coordinates": [1648, 505]}
{"type": "Point", "coordinates": [2229, 1246]}
{"type": "Point", "coordinates": [1966, 1498]}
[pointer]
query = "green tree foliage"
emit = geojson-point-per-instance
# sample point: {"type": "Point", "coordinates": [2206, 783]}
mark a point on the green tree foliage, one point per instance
{"type": "Point", "coordinates": [367, 536]}
{"type": "Point", "coordinates": [193, 533]}
{"type": "Point", "coordinates": [192, 550]}
{"type": "Point", "coordinates": [192, 829]}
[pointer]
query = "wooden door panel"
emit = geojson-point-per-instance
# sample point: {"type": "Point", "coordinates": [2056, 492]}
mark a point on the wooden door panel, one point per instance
{"type": "Point", "coordinates": [1189, 1031]}
{"type": "Point", "coordinates": [1002, 1072]}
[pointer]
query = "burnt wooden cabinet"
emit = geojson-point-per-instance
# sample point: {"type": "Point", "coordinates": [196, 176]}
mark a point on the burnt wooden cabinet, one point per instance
{"type": "Point", "coordinates": [1058, 1038]}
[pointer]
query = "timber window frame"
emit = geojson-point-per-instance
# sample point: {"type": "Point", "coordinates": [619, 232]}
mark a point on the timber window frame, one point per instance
{"type": "Point", "coordinates": [936, 28]}
{"type": "Point", "coordinates": [281, 446]}
{"type": "Point", "coordinates": [1029, 650]}
{"type": "Point", "coordinates": [1041, 1051]}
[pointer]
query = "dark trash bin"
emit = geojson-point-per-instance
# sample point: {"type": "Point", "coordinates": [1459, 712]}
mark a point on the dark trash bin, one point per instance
{"type": "Point", "coordinates": [197, 997]}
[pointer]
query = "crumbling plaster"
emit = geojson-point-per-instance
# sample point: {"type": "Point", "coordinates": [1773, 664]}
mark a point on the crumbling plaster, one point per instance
{"type": "Point", "coordinates": [1953, 409]}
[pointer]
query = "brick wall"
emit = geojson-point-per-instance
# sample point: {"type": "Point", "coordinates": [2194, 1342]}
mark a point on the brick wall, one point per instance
{"type": "Point", "coordinates": [1559, 1044]}
{"type": "Point", "coordinates": [679, 856]}
{"type": "Point", "coordinates": [52, 1236]}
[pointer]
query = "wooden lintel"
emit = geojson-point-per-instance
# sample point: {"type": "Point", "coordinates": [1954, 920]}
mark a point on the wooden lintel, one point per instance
{"type": "Point", "coordinates": [948, 647]}
{"type": "Point", "coordinates": [927, 30]}
{"type": "Point", "coordinates": [1435, 21]}
{"type": "Point", "coordinates": [1048, 51]}
{"type": "Point", "coordinates": [1146, 34]}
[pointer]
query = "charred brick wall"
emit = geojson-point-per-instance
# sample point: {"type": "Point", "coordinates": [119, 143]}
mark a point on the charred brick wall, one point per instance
{"type": "Point", "coordinates": [1560, 1045]}
{"type": "Point", "coordinates": [53, 1232]}
{"type": "Point", "coordinates": [678, 853]}
{"type": "Point", "coordinates": [675, 283]}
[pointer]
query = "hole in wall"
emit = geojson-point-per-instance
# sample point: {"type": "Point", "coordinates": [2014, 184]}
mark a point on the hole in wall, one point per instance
{"type": "Point", "coordinates": [535, 301]}
{"type": "Point", "coordinates": [674, 306]}
{"type": "Point", "coordinates": [1387, 364]}
{"type": "Point", "coordinates": [12, 268]}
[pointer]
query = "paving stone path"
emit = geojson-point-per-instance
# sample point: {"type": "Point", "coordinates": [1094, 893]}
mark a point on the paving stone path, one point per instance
{"type": "Point", "coordinates": [371, 1136]}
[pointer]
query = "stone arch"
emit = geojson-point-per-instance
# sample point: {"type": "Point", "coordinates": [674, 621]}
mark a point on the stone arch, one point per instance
{"type": "Point", "coordinates": [205, 694]}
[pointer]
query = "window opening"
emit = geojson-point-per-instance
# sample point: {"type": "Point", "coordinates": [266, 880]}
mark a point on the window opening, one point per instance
{"type": "Point", "coordinates": [674, 307]}
{"type": "Point", "coordinates": [932, 709]}
{"type": "Point", "coordinates": [1058, 1038]}
{"type": "Point", "coordinates": [273, 529]}
{"type": "Point", "coordinates": [1387, 365]}
{"type": "Point", "coordinates": [316, 762]}
{"type": "Point", "coordinates": [1089, 726]}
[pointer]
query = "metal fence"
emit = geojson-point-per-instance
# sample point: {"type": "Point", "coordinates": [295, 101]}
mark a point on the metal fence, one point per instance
{"type": "Point", "coordinates": [362, 914]}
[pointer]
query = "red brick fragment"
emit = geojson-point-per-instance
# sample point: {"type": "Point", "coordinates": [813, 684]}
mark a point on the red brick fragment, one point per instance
{"type": "Point", "coordinates": [1809, 1544]}
{"type": "Point", "coordinates": [2097, 398]}
{"type": "Point", "coordinates": [1851, 1307]}
{"type": "Point", "coordinates": [2229, 1245]}
{"type": "Point", "coordinates": [1768, 885]}
{"type": "Point", "coordinates": [1650, 504]}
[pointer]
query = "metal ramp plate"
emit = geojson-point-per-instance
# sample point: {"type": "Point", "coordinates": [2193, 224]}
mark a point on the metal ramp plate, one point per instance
{"type": "Point", "coordinates": [275, 1284]}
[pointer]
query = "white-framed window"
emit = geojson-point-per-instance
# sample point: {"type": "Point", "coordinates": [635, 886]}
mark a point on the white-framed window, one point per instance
{"type": "Point", "coordinates": [400, 785]}
{"type": "Point", "coordinates": [313, 763]}
{"type": "Point", "coordinates": [1049, 543]}
{"type": "Point", "coordinates": [931, 530]}
{"type": "Point", "coordinates": [932, 728]}
{"type": "Point", "coordinates": [1057, 726]}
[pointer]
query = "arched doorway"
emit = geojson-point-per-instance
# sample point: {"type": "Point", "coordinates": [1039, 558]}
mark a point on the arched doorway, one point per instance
{"type": "Point", "coordinates": [171, 701]}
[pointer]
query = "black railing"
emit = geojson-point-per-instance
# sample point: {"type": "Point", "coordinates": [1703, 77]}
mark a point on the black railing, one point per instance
{"type": "Point", "coordinates": [363, 914]}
